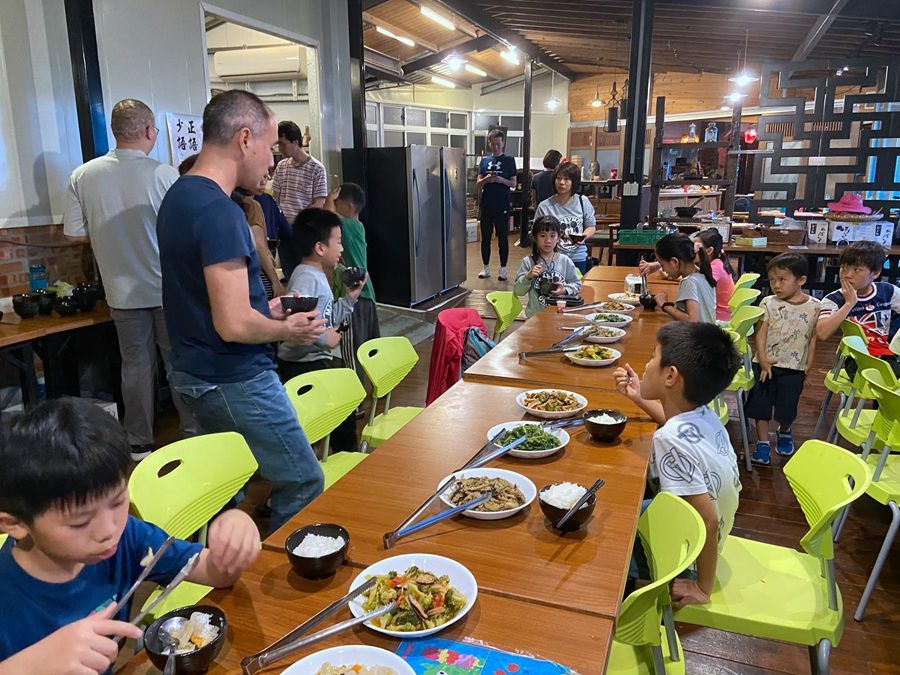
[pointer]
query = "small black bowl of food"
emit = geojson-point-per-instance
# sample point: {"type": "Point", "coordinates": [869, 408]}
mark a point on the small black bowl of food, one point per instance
{"type": "Point", "coordinates": [353, 276]}
{"type": "Point", "coordinates": [316, 551]}
{"type": "Point", "coordinates": [604, 425]}
{"type": "Point", "coordinates": [557, 499]}
{"type": "Point", "coordinates": [200, 631]}
{"type": "Point", "coordinates": [648, 302]}
{"type": "Point", "coordinates": [65, 306]}
{"type": "Point", "coordinates": [295, 304]}
{"type": "Point", "coordinates": [85, 297]}
{"type": "Point", "coordinates": [26, 305]}
{"type": "Point", "coordinates": [686, 211]}
{"type": "Point", "coordinates": [45, 301]}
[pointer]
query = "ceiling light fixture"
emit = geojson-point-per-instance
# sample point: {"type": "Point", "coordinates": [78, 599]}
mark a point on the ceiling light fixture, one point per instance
{"type": "Point", "coordinates": [735, 96]}
{"type": "Point", "coordinates": [444, 83]}
{"type": "Point", "coordinates": [745, 77]}
{"type": "Point", "coordinates": [454, 61]}
{"type": "Point", "coordinates": [510, 55]}
{"type": "Point", "coordinates": [475, 71]}
{"type": "Point", "coordinates": [553, 103]}
{"type": "Point", "coordinates": [398, 38]}
{"type": "Point", "coordinates": [437, 18]}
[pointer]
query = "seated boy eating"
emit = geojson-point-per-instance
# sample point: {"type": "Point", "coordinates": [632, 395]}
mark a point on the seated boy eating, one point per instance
{"type": "Point", "coordinates": [73, 549]}
{"type": "Point", "coordinates": [691, 454]}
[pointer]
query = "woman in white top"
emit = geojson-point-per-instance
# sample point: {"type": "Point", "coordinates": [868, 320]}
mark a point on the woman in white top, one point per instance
{"type": "Point", "coordinates": [574, 211]}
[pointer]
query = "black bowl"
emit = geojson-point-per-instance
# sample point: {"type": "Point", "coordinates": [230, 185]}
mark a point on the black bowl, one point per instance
{"type": "Point", "coordinates": [578, 518]}
{"type": "Point", "coordinates": [686, 211]}
{"type": "Point", "coordinates": [65, 306]}
{"type": "Point", "coordinates": [45, 301]}
{"type": "Point", "coordinates": [324, 566]}
{"type": "Point", "coordinates": [604, 433]}
{"type": "Point", "coordinates": [294, 305]}
{"type": "Point", "coordinates": [648, 302]}
{"type": "Point", "coordinates": [85, 298]}
{"type": "Point", "coordinates": [352, 276]}
{"type": "Point", "coordinates": [26, 305]}
{"type": "Point", "coordinates": [197, 661]}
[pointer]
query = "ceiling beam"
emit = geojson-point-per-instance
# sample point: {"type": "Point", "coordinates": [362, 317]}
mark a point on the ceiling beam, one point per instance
{"type": "Point", "coordinates": [371, 4]}
{"type": "Point", "coordinates": [512, 81]}
{"type": "Point", "coordinates": [468, 10]}
{"type": "Point", "coordinates": [396, 30]}
{"type": "Point", "coordinates": [818, 29]}
{"type": "Point", "coordinates": [858, 9]}
{"type": "Point", "coordinates": [382, 62]}
{"type": "Point", "coordinates": [476, 45]}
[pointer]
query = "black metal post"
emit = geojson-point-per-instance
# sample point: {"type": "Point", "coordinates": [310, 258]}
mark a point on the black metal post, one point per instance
{"type": "Point", "coordinates": [86, 75]}
{"type": "Point", "coordinates": [524, 232]}
{"type": "Point", "coordinates": [636, 116]}
{"type": "Point", "coordinates": [357, 72]}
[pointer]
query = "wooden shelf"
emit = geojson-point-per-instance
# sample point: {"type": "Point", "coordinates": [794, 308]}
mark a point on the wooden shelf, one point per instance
{"type": "Point", "coordinates": [697, 146]}
{"type": "Point", "coordinates": [695, 181]}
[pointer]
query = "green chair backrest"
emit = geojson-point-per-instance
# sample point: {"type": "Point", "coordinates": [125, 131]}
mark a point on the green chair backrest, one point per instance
{"type": "Point", "coordinates": [507, 307]}
{"type": "Point", "coordinates": [851, 328]}
{"type": "Point", "coordinates": [886, 424]}
{"type": "Point", "coordinates": [386, 361]}
{"type": "Point", "coordinates": [825, 479]}
{"type": "Point", "coordinates": [858, 349]}
{"type": "Point", "coordinates": [742, 297]}
{"type": "Point", "coordinates": [181, 486]}
{"type": "Point", "coordinates": [672, 534]}
{"type": "Point", "coordinates": [744, 318]}
{"type": "Point", "coordinates": [746, 280]}
{"type": "Point", "coordinates": [324, 398]}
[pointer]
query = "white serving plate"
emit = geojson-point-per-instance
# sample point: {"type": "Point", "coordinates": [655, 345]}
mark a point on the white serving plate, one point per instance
{"type": "Point", "coordinates": [627, 298]}
{"type": "Point", "coordinates": [617, 324]}
{"type": "Point", "coordinates": [599, 340]}
{"type": "Point", "coordinates": [460, 578]}
{"type": "Point", "coordinates": [347, 656]}
{"type": "Point", "coordinates": [529, 491]}
{"type": "Point", "coordinates": [595, 363]}
{"type": "Point", "coordinates": [552, 415]}
{"type": "Point", "coordinates": [561, 434]}
{"type": "Point", "coordinates": [628, 308]}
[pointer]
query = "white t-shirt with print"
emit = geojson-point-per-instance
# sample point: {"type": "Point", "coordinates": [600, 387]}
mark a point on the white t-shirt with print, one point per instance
{"type": "Point", "coordinates": [692, 454]}
{"type": "Point", "coordinates": [790, 328]}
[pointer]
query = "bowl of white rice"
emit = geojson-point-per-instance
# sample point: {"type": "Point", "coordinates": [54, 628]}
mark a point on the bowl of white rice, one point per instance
{"type": "Point", "coordinates": [604, 425]}
{"type": "Point", "coordinates": [316, 551]}
{"type": "Point", "coordinates": [557, 499]}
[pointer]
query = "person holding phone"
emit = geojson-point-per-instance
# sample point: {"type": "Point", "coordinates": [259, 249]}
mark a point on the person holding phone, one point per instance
{"type": "Point", "coordinates": [573, 210]}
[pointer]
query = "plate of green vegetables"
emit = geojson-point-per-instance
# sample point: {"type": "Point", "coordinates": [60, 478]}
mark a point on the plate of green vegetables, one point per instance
{"type": "Point", "coordinates": [540, 443]}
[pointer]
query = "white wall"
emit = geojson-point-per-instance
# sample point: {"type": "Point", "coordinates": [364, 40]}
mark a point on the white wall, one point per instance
{"type": "Point", "coordinates": [39, 141]}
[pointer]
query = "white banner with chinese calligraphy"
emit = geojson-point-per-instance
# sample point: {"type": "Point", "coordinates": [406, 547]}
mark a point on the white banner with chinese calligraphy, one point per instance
{"type": "Point", "coordinates": [185, 136]}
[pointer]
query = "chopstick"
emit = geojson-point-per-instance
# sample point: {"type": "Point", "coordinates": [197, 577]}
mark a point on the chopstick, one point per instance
{"type": "Point", "coordinates": [499, 452]}
{"type": "Point", "coordinates": [591, 490]}
{"type": "Point", "coordinates": [150, 565]}
{"type": "Point", "coordinates": [471, 504]}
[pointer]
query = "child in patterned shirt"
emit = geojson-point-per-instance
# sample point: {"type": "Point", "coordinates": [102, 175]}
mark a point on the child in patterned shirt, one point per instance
{"type": "Point", "coordinates": [785, 341]}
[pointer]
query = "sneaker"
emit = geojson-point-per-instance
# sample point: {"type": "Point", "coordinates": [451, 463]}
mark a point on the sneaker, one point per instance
{"type": "Point", "coordinates": [139, 452]}
{"type": "Point", "coordinates": [485, 272]}
{"type": "Point", "coordinates": [762, 454]}
{"type": "Point", "coordinates": [502, 275]}
{"type": "Point", "coordinates": [785, 445]}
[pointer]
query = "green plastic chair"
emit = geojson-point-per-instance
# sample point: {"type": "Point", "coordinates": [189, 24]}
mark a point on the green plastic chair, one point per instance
{"type": "Point", "coordinates": [853, 422]}
{"type": "Point", "coordinates": [672, 534]}
{"type": "Point", "coordinates": [323, 399]}
{"type": "Point", "coordinates": [742, 297]}
{"type": "Point", "coordinates": [777, 592]}
{"type": "Point", "coordinates": [507, 308]}
{"type": "Point", "coordinates": [720, 408]}
{"type": "Point", "coordinates": [181, 486]}
{"type": "Point", "coordinates": [885, 467]}
{"type": "Point", "coordinates": [386, 361]}
{"type": "Point", "coordinates": [837, 381]}
{"type": "Point", "coordinates": [742, 321]}
{"type": "Point", "coordinates": [746, 280]}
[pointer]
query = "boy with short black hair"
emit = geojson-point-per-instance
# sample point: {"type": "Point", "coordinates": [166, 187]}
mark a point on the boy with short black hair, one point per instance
{"type": "Point", "coordinates": [348, 201]}
{"type": "Point", "coordinates": [785, 343]}
{"type": "Point", "coordinates": [691, 455]}
{"type": "Point", "coordinates": [861, 299]}
{"type": "Point", "coordinates": [73, 549]}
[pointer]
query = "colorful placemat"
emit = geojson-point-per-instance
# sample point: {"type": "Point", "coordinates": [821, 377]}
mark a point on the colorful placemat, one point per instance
{"type": "Point", "coordinates": [444, 657]}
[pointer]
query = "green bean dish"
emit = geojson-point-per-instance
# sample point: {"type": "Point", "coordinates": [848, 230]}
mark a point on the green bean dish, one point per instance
{"type": "Point", "coordinates": [538, 439]}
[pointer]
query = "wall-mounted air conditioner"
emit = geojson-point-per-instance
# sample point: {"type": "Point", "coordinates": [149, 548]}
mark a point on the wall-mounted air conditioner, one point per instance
{"type": "Point", "coordinates": [261, 63]}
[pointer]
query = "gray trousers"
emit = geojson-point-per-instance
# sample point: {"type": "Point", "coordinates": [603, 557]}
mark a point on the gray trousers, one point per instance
{"type": "Point", "coordinates": [140, 332]}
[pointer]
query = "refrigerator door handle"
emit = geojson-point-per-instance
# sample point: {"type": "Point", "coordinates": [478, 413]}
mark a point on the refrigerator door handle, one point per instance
{"type": "Point", "coordinates": [418, 216]}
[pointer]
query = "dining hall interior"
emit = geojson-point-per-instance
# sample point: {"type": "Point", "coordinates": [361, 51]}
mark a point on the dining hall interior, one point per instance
{"type": "Point", "coordinates": [449, 336]}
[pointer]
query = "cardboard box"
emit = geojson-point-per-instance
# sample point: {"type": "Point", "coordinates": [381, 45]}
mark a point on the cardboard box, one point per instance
{"type": "Point", "coordinates": [845, 231]}
{"type": "Point", "coordinates": [817, 232]}
{"type": "Point", "coordinates": [789, 237]}
{"type": "Point", "coordinates": [755, 242]}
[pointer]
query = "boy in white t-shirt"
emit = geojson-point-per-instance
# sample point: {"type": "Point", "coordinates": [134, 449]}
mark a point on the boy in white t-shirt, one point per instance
{"type": "Point", "coordinates": [691, 455]}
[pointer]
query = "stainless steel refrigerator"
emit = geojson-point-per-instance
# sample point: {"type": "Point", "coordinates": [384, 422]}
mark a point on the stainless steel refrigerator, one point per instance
{"type": "Point", "coordinates": [415, 221]}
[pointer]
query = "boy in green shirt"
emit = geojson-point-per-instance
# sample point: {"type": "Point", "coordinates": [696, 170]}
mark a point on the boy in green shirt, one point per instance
{"type": "Point", "coordinates": [347, 201]}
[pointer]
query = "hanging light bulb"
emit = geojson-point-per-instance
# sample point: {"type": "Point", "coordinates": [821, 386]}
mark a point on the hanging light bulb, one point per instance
{"type": "Point", "coordinates": [597, 102]}
{"type": "Point", "coordinates": [454, 61]}
{"type": "Point", "coordinates": [553, 103]}
{"type": "Point", "coordinates": [745, 77]}
{"type": "Point", "coordinates": [510, 55]}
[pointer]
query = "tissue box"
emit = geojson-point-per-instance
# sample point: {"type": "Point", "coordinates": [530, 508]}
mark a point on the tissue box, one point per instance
{"type": "Point", "coordinates": [817, 231]}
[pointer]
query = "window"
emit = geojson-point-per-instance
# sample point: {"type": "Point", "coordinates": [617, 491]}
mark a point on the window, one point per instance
{"type": "Point", "coordinates": [392, 125]}
{"type": "Point", "coordinates": [484, 121]}
{"type": "Point", "coordinates": [459, 121]}
{"type": "Point", "coordinates": [439, 119]}
{"type": "Point", "coordinates": [371, 138]}
{"type": "Point", "coordinates": [457, 141]}
{"type": "Point", "coordinates": [512, 122]}
{"type": "Point", "coordinates": [393, 139]}
{"type": "Point", "coordinates": [440, 139]}
{"type": "Point", "coordinates": [416, 117]}
{"type": "Point", "coordinates": [392, 115]}
{"type": "Point", "coordinates": [415, 138]}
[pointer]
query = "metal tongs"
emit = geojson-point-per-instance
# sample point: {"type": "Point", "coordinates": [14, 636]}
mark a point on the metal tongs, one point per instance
{"type": "Point", "coordinates": [593, 305]}
{"type": "Point", "coordinates": [292, 642]}
{"type": "Point", "coordinates": [147, 569]}
{"type": "Point", "coordinates": [185, 571]}
{"type": "Point", "coordinates": [552, 350]}
{"type": "Point", "coordinates": [577, 334]}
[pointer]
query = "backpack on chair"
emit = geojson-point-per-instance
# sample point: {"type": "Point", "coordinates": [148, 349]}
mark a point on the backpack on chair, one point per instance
{"type": "Point", "coordinates": [476, 345]}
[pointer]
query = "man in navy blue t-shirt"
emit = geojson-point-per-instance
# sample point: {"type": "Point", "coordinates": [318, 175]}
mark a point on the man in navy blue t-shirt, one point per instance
{"type": "Point", "coordinates": [496, 176]}
{"type": "Point", "coordinates": [220, 323]}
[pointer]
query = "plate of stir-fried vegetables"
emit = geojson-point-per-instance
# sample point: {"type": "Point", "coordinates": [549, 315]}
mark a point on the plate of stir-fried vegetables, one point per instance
{"type": "Point", "coordinates": [540, 443]}
{"type": "Point", "coordinates": [431, 591]}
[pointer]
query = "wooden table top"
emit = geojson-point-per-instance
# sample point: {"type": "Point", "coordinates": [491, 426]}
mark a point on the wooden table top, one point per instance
{"type": "Point", "coordinates": [522, 556]}
{"type": "Point", "coordinates": [827, 250]}
{"type": "Point", "coordinates": [271, 599]}
{"type": "Point", "coordinates": [41, 326]}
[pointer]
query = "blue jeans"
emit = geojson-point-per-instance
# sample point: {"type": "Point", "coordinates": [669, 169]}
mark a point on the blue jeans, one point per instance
{"type": "Point", "coordinates": [260, 411]}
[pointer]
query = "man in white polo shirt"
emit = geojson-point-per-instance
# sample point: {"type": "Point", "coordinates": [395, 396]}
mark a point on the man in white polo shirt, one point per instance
{"type": "Point", "coordinates": [299, 182]}
{"type": "Point", "coordinates": [112, 205]}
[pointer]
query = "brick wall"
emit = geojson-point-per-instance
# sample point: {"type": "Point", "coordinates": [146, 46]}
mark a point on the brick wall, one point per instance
{"type": "Point", "coordinates": [21, 247]}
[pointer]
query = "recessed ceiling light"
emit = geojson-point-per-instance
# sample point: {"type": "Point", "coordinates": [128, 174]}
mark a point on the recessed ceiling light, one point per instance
{"type": "Point", "coordinates": [398, 38]}
{"type": "Point", "coordinates": [475, 71]}
{"type": "Point", "coordinates": [437, 18]}
{"type": "Point", "coordinates": [444, 83]}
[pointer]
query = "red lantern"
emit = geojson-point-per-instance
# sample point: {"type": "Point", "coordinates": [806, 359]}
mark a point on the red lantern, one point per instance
{"type": "Point", "coordinates": [750, 136]}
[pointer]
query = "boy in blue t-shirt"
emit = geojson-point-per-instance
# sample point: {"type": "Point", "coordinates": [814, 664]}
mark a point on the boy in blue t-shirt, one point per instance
{"type": "Point", "coordinates": [496, 177]}
{"type": "Point", "coordinates": [73, 549]}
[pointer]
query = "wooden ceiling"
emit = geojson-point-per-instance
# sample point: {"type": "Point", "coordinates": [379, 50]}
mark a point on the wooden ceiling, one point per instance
{"type": "Point", "coordinates": [591, 36]}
